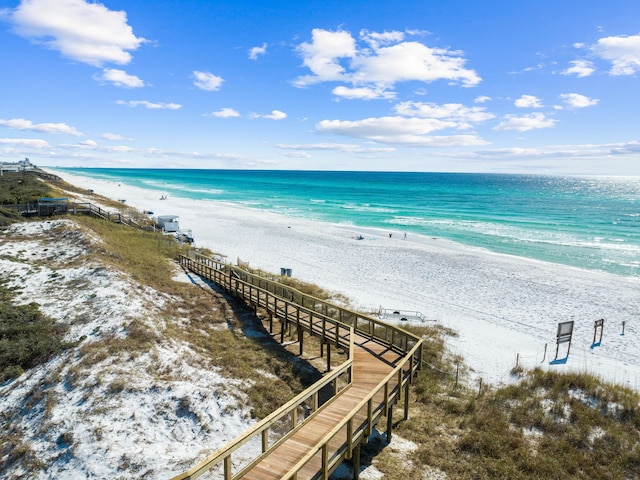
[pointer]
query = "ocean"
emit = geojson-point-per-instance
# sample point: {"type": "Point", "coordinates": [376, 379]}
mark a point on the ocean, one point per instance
{"type": "Point", "coordinates": [586, 222]}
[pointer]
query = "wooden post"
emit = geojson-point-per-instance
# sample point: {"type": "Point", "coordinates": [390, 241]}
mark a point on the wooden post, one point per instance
{"type": "Point", "coordinates": [389, 422]}
{"type": "Point", "coordinates": [270, 322]}
{"type": "Point", "coordinates": [356, 462]}
{"type": "Point", "coordinates": [227, 467]}
{"type": "Point", "coordinates": [282, 322]}
{"type": "Point", "coordinates": [328, 357]}
{"type": "Point", "coordinates": [300, 339]}
{"type": "Point", "coordinates": [406, 401]}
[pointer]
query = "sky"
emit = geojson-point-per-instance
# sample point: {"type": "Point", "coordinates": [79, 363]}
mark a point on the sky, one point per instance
{"type": "Point", "coordinates": [529, 86]}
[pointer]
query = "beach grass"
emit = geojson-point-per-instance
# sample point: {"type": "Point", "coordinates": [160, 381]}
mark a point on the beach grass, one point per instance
{"type": "Point", "coordinates": [27, 337]}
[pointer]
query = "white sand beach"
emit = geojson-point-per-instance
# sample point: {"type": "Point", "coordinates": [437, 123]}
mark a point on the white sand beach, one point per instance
{"type": "Point", "coordinates": [502, 307]}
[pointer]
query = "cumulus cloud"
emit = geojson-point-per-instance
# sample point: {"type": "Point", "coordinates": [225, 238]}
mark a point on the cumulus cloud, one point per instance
{"type": "Point", "coordinates": [341, 147]}
{"type": "Point", "coordinates": [207, 81]}
{"type": "Point", "coordinates": [528, 101]}
{"type": "Point", "coordinates": [363, 93]}
{"type": "Point", "coordinates": [378, 62]}
{"type": "Point", "coordinates": [25, 142]}
{"type": "Point", "coordinates": [482, 99]}
{"type": "Point", "coordinates": [622, 51]}
{"type": "Point", "coordinates": [84, 31]}
{"type": "Point", "coordinates": [525, 123]}
{"type": "Point", "coordinates": [454, 112]}
{"type": "Point", "coordinates": [575, 100]}
{"type": "Point", "coordinates": [274, 115]}
{"type": "Point", "coordinates": [225, 113]}
{"type": "Point", "coordinates": [120, 78]}
{"type": "Point", "coordinates": [580, 68]}
{"type": "Point", "coordinates": [323, 54]}
{"type": "Point", "coordinates": [111, 136]}
{"type": "Point", "coordinates": [398, 130]}
{"type": "Point", "coordinates": [150, 105]}
{"type": "Point", "coordinates": [52, 128]}
{"type": "Point", "coordinates": [255, 52]}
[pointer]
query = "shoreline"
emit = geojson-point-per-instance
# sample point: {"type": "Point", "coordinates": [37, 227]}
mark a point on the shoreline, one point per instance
{"type": "Point", "coordinates": [502, 306]}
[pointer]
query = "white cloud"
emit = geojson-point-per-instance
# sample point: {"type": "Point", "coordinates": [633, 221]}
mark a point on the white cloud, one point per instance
{"type": "Point", "coordinates": [525, 123]}
{"type": "Point", "coordinates": [83, 31]}
{"type": "Point", "coordinates": [88, 143]}
{"type": "Point", "coordinates": [482, 99]}
{"type": "Point", "coordinates": [580, 68]}
{"type": "Point", "coordinates": [341, 147]}
{"type": "Point", "coordinates": [25, 142]}
{"type": "Point", "coordinates": [111, 136]}
{"type": "Point", "coordinates": [274, 115]}
{"type": "Point", "coordinates": [52, 128]}
{"type": "Point", "coordinates": [207, 81]}
{"type": "Point", "coordinates": [383, 60]}
{"type": "Point", "coordinates": [150, 105]}
{"type": "Point", "coordinates": [376, 39]}
{"type": "Point", "coordinates": [454, 112]}
{"type": "Point", "coordinates": [528, 101]}
{"type": "Point", "coordinates": [322, 56]}
{"type": "Point", "coordinates": [398, 130]}
{"type": "Point", "coordinates": [120, 78]}
{"type": "Point", "coordinates": [575, 100]}
{"type": "Point", "coordinates": [255, 52]}
{"type": "Point", "coordinates": [622, 51]}
{"type": "Point", "coordinates": [363, 93]}
{"type": "Point", "coordinates": [225, 113]}
{"type": "Point", "coordinates": [412, 61]}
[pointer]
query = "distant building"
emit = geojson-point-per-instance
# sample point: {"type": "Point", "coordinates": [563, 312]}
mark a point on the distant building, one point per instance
{"type": "Point", "coordinates": [21, 166]}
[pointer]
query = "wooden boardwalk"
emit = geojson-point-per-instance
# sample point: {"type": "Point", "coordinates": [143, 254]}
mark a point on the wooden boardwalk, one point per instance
{"type": "Point", "coordinates": [382, 360]}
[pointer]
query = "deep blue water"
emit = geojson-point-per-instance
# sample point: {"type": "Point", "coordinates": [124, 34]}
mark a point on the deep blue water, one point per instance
{"type": "Point", "coordinates": [586, 222]}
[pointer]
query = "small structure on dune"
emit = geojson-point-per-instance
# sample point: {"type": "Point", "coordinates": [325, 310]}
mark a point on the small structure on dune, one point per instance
{"type": "Point", "coordinates": [168, 223]}
{"type": "Point", "coordinates": [52, 206]}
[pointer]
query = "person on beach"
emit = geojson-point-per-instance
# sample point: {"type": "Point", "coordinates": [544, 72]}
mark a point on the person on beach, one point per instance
{"type": "Point", "coordinates": [389, 235]}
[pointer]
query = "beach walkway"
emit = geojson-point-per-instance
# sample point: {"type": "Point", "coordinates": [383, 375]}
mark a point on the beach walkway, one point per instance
{"type": "Point", "coordinates": [313, 433]}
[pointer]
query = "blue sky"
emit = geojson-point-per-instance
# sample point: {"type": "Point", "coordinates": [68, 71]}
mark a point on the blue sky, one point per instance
{"type": "Point", "coordinates": [478, 86]}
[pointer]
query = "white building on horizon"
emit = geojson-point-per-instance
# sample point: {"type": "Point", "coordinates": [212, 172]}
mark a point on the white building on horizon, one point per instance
{"type": "Point", "coordinates": [21, 166]}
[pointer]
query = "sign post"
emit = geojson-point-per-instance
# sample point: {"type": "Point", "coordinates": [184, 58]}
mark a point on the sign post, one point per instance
{"type": "Point", "coordinates": [565, 332]}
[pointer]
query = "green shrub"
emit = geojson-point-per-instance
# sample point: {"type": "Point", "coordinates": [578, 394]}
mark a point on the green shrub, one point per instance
{"type": "Point", "coordinates": [27, 337]}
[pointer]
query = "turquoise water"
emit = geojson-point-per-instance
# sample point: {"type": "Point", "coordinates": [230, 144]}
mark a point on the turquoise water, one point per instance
{"type": "Point", "coordinates": [586, 222]}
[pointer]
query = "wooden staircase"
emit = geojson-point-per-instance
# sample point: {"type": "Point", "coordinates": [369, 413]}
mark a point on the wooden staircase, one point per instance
{"type": "Point", "coordinates": [381, 362]}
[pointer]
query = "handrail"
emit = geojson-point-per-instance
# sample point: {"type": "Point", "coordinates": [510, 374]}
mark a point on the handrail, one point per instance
{"type": "Point", "coordinates": [316, 323]}
{"type": "Point", "coordinates": [397, 338]}
{"type": "Point", "coordinates": [348, 421]}
{"type": "Point", "coordinates": [258, 290]}
{"type": "Point", "coordinates": [224, 454]}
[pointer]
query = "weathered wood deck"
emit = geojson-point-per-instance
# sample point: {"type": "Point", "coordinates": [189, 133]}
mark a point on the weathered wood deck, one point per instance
{"type": "Point", "coordinates": [382, 360]}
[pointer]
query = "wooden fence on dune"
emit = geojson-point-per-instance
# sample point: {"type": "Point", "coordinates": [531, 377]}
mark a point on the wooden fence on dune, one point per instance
{"type": "Point", "coordinates": [310, 436]}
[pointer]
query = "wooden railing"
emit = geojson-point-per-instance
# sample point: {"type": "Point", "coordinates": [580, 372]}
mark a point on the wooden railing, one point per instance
{"type": "Point", "coordinates": [286, 417]}
{"type": "Point", "coordinates": [333, 324]}
{"type": "Point", "coordinates": [48, 209]}
{"type": "Point", "coordinates": [396, 338]}
{"type": "Point", "coordinates": [356, 427]}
